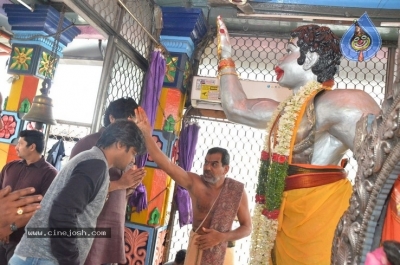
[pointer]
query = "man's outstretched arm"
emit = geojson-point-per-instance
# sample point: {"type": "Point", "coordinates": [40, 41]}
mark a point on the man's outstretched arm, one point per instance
{"type": "Point", "coordinates": [174, 171]}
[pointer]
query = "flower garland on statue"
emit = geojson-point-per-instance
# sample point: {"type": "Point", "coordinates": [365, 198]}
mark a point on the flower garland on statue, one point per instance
{"type": "Point", "coordinates": [273, 171]}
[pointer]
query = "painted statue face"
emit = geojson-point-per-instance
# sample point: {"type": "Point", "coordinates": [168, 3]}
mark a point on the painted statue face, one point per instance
{"type": "Point", "coordinates": [213, 170]}
{"type": "Point", "coordinates": [360, 42]}
{"type": "Point", "coordinates": [289, 73]}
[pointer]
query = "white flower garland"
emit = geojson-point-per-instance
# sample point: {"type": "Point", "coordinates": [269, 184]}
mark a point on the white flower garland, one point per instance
{"type": "Point", "coordinates": [264, 229]}
{"type": "Point", "coordinates": [287, 122]}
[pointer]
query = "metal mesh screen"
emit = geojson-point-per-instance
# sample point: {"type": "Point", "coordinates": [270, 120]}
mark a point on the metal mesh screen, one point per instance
{"type": "Point", "coordinates": [107, 9]}
{"type": "Point", "coordinates": [126, 78]}
{"type": "Point", "coordinates": [132, 31]}
{"type": "Point", "coordinates": [255, 59]}
{"type": "Point", "coordinates": [369, 76]}
{"type": "Point", "coordinates": [129, 28]}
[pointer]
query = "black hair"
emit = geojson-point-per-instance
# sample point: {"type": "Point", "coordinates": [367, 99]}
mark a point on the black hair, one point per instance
{"type": "Point", "coordinates": [180, 256]}
{"type": "Point", "coordinates": [33, 137]}
{"type": "Point", "coordinates": [127, 133]}
{"type": "Point", "coordinates": [225, 157]}
{"type": "Point", "coordinates": [392, 251]}
{"type": "Point", "coordinates": [313, 38]}
{"type": "Point", "coordinates": [121, 108]}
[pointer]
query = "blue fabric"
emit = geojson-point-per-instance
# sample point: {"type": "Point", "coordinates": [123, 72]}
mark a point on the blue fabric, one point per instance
{"type": "Point", "coordinates": [17, 260]}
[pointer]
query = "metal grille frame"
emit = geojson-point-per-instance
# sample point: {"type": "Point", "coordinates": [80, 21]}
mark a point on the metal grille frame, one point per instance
{"type": "Point", "coordinates": [128, 48]}
{"type": "Point", "coordinates": [125, 62]}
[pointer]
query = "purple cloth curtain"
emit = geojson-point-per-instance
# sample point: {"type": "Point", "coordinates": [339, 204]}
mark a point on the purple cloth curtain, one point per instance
{"type": "Point", "coordinates": [153, 84]}
{"type": "Point", "coordinates": [187, 148]}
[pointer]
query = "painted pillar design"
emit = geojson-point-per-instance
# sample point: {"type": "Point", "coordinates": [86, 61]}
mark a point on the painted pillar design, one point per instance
{"type": "Point", "coordinates": [183, 29]}
{"type": "Point", "coordinates": [33, 57]}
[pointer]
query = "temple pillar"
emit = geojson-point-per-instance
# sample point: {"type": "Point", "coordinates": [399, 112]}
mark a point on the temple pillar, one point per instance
{"type": "Point", "coordinates": [183, 29]}
{"type": "Point", "coordinates": [34, 57]}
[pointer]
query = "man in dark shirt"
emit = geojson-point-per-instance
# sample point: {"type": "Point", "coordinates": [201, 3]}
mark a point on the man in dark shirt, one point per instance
{"type": "Point", "coordinates": [31, 171]}
{"type": "Point", "coordinates": [11, 203]}
{"type": "Point", "coordinates": [112, 250]}
{"type": "Point", "coordinates": [76, 198]}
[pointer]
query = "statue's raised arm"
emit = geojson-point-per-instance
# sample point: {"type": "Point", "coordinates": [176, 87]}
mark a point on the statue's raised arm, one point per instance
{"type": "Point", "coordinates": [313, 55]}
{"type": "Point", "coordinates": [237, 107]}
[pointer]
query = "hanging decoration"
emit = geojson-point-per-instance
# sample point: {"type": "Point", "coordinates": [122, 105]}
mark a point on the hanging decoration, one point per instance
{"type": "Point", "coordinates": [361, 41]}
{"type": "Point", "coordinates": [153, 85]}
{"type": "Point", "coordinates": [187, 147]}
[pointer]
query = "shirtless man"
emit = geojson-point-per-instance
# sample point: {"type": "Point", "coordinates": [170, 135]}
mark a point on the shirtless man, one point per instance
{"type": "Point", "coordinates": [216, 200]}
{"type": "Point", "coordinates": [321, 122]}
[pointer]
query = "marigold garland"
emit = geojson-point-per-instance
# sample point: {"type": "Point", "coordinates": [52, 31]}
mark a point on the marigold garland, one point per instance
{"type": "Point", "coordinates": [273, 171]}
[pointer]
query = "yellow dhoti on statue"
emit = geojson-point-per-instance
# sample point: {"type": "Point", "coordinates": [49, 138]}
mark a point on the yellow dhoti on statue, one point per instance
{"type": "Point", "coordinates": [307, 223]}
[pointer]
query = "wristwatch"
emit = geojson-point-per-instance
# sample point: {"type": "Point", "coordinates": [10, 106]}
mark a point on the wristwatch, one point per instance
{"type": "Point", "coordinates": [13, 227]}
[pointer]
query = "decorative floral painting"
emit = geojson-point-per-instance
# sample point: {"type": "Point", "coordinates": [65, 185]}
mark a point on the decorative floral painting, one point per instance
{"type": "Point", "coordinates": [170, 70]}
{"type": "Point", "coordinates": [47, 64]}
{"type": "Point", "coordinates": [11, 126]}
{"type": "Point", "coordinates": [139, 242]}
{"type": "Point", "coordinates": [21, 58]}
{"type": "Point", "coordinates": [177, 71]}
{"type": "Point", "coordinates": [30, 125]}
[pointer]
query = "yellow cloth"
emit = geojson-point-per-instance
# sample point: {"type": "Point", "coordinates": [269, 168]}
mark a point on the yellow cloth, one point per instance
{"type": "Point", "coordinates": [308, 222]}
